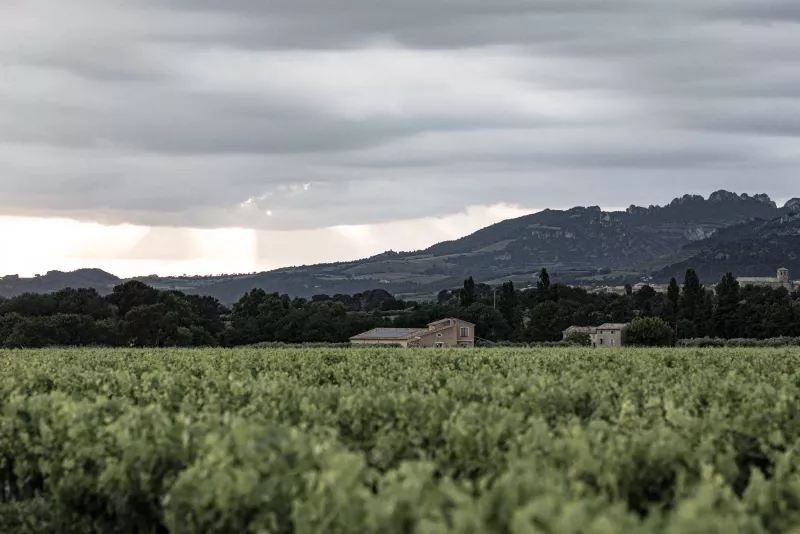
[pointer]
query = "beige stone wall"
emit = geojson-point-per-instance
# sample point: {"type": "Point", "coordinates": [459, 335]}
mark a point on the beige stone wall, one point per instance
{"type": "Point", "coordinates": [608, 338]}
{"type": "Point", "coordinates": [447, 336]}
{"type": "Point", "coordinates": [468, 340]}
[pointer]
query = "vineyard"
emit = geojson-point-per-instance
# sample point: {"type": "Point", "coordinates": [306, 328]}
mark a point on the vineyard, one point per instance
{"type": "Point", "coordinates": [388, 441]}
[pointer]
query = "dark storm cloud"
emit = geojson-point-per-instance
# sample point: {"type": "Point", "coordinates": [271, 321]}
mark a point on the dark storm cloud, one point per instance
{"type": "Point", "coordinates": [311, 113]}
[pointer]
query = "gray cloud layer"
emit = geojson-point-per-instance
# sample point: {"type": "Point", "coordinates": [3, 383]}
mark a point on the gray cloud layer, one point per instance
{"type": "Point", "coordinates": [310, 113]}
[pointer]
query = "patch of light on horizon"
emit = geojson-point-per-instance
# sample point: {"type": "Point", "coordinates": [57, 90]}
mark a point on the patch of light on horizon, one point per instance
{"type": "Point", "coordinates": [34, 246]}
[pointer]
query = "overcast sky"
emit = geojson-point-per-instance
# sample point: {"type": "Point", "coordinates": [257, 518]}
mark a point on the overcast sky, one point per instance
{"type": "Point", "coordinates": [204, 135]}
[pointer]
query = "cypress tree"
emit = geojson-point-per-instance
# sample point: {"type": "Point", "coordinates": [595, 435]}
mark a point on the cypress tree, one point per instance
{"type": "Point", "coordinates": [468, 295]}
{"type": "Point", "coordinates": [508, 304]}
{"type": "Point", "coordinates": [543, 285]}
{"type": "Point", "coordinates": [692, 302]}
{"type": "Point", "coordinates": [726, 320]}
{"type": "Point", "coordinates": [673, 301]}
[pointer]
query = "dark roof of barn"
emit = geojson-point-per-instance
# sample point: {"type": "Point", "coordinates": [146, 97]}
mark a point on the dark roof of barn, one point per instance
{"type": "Point", "coordinates": [582, 329]}
{"type": "Point", "coordinates": [613, 326]}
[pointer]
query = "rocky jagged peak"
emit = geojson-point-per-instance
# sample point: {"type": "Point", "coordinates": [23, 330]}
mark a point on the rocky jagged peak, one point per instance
{"type": "Point", "coordinates": [793, 205]}
{"type": "Point", "coordinates": [725, 196]}
{"type": "Point", "coordinates": [717, 197]}
{"type": "Point", "coordinates": [686, 199]}
{"type": "Point", "coordinates": [764, 199]}
{"type": "Point", "coordinates": [637, 210]}
{"type": "Point", "coordinates": [584, 209]}
{"type": "Point", "coordinates": [728, 196]}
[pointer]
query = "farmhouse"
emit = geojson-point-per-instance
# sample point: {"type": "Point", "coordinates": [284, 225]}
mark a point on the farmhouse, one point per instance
{"type": "Point", "coordinates": [445, 333]}
{"type": "Point", "coordinates": [605, 335]}
{"type": "Point", "coordinates": [782, 280]}
{"type": "Point", "coordinates": [610, 335]}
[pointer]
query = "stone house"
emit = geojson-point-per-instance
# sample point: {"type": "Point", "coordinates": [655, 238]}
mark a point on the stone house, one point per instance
{"type": "Point", "coordinates": [610, 335]}
{"type": "Point", "coordinates": [439, 334]}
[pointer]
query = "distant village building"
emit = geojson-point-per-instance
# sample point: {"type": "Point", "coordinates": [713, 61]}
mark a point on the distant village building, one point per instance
{"type": "Point", "coordinates": [440, 334]}
{"type": "Point", "coordinates": [621, 290]}
{"type": "Point", "coordinates": [782, 280]}
{"type": "Point", "coordinates": [605, 335]}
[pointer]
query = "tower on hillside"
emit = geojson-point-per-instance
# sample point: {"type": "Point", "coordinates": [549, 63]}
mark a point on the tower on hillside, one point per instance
{"type": "Point", "coordinates": [783, 275]}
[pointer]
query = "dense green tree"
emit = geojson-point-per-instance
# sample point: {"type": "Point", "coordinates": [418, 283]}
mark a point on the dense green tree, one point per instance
{"type": "Point", "coordinates": [489, 323]}
{"type": "Point", "coordinates": [672, 304]}
{"type": "Point", "coordinates": [30, 305]}
{"type": "Point", "coordinates": [375, 300]}
{"type": "Point", "coordinates": [508, 306]}
{"type": "Point", "coordinates": [468, 296]}
{"type": "Point", "coordinates": [705, 317]}
{"type": "Point", "coordinates": [7, 323]}
{"type": "Point", "coordinates": [54, 330]}
{"type": "Point", "coordinates": [132, 294]}
{"type": "Point", "coordinates": [726, 318]}
{"type": "Point", "coordinates": [645, 300]}
{"type": "Point", "coordinates": [259, 317]}
{"type": "Point", "coordinates": [543, 325]}
{"type": "Point", "coordinates": [543, 285]}
{"type": "Point", "coordinates": [320, 322]}
{"type": "Point", "coordinates": [692, 301]}
{"type": "Point", "coordinates": [777, 320]}
{"type": "Point", "coordinates": [83, 302]}
{"type": "Point", "coordinates": [151, 325]}
{"type": "Point", "coordinates": [649, 332]}
{"type": "Point", "coordinates": [579, 338]}
{"type": "Point", "coordinates": [628, 289]}
{"type": "Point", "coordinates": [108, 333]}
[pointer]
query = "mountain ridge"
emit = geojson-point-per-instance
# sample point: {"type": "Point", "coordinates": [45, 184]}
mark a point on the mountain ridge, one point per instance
{"type": "Point", "coordinates": [576, 243]}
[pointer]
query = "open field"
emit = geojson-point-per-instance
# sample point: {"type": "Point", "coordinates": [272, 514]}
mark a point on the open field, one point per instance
{"type": "Point", "coordinates": [396, 441]}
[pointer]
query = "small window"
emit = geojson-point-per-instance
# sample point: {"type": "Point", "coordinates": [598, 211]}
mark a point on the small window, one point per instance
{"type": "Point", "coordinates": [601, 341]}
{"type": "Point", "coordinates": [439, 334]}
{"type": "Point", "coordinates": [439, 345]}
{"type": "Point", "coordinates": [464, 331]}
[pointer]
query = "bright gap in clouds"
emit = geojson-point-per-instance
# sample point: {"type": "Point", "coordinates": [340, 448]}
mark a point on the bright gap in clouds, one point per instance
{"type": "Point", "coordinates": [41, 245]}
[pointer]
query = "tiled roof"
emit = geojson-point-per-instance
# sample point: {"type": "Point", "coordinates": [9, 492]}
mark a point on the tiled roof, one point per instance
{"type": "Point", "coordinates": [390, 333]}
{"type": "Point", "coordinates": [582, 329]}
{"type": "Point", "coordinates": [453, 319]}
{"type": "Point", "coordinates": [613, 326]}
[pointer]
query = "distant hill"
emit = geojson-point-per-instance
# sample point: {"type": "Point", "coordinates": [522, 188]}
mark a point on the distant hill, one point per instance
{"type": "Point", "coordinates": [11, 286]}
{"type": "Point", "coordinates": [574, 244]}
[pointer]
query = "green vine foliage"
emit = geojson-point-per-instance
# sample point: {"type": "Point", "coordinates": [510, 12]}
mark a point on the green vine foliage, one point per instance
{"type": "Point", "coordinates": [396, 441]}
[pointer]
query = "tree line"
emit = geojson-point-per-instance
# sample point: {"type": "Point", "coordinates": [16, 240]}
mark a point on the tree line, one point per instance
{"type": "Point", "coordinates": [135, 314]}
